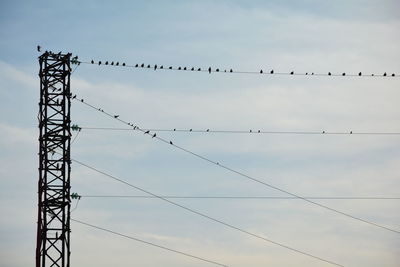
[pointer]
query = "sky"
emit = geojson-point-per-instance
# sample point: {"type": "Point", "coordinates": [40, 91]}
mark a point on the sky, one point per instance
{"type": "Point", "coordinates": [301, 36]}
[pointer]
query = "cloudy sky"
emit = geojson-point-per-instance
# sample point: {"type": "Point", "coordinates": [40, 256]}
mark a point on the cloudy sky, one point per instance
{"type": "Point", "coordinates": [301, 36]}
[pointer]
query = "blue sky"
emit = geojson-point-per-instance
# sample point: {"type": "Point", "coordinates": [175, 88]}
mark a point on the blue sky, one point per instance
{"type": "Point", "coordinates": [304, 36]}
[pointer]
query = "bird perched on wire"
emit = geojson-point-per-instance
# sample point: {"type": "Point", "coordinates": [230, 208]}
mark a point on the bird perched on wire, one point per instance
{"type": "Point", "coordinates": [170, 142]}
{"type": "Point", "coordinates": [106, 62]}
{"type": "Point", "coordinates": [147, 132]}
{"type": "Point", "coordinates": [155, 67]}
{"type": "Point", "coordinates": [154, 135]}
{"type": "Point", "coordinates": [38, 48]}
{"type": "Point", "coordinates": [209, 70]}
{"type": "Point", "coordinates": [92, 61]}
{"type": "Point", "coordinates": [272, 72]}
{"type": "Point", "coordinates": [116, 116]}
{"type": "Point", "coordinates": [99, 62]}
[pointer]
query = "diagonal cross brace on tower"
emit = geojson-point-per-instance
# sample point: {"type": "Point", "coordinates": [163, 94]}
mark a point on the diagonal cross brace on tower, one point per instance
{"type": "Point", "coordinates": [53, 228]}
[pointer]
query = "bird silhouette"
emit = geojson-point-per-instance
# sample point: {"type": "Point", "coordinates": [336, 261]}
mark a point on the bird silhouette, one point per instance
{"type": "Point", "coordinates": [123, 64]}
{"type": "Point", "coordinates": [259, 131]}
{"type": "Point", "coordinates": [38, 48]}
{"type": "Point", "coordinates": [199, 69]}
{"type": "Point", "coordinates": [148, 66]}
{"type": "Point", "coordinates": [179, 68]}
{"type": "Point", "coordinates": [306, 73]}
{"type": "Point", "coordinates": [147, 132]}
{"type": "Point", "coordinates": [217, 70]}
{"type": "Point", "coordinates": [190, 130]}
{"type": "Point", "coordinates": [174, 129]}
{"type": "Point", "coordinates": [92, 61]}
{"type": "Point", "coordinates": [106, 62]}
{"type": "Point", "coordinates": [116, 116]}
{"type": "Point", "coordinates": [393, 75]}
{"type": "Point", "coordinates": [208, 130]}
{"type": "Point", "coordinates": [170, 142]}
{"type": "Point", "coordinates": [112, 63]}
{"type": "Point", "coordinates": [192, 69]}
{"type": "Point", "coordinates": [272, 72]}
{"type": "Point", "coordinates": [184, 68]}
{"type": "Point", "coordinates": [155, 67]}
{"type": "Point", "coordinates": [142, 65]}
{"type": "Point", "coordinates": [230, 70]}
{"type": "Point", "coordinates": [116, 64]}
{"type": "Point", "coordinates": [154, 135]}
{"type": "Point", "coordinates": [99, 62]}
{"type": "Point", "coordinates": [161, 67]}
{"type": "Point", "coordinates": [384, 74]}
{"type": "Point", "coordinates": [251, 131]}
{"type": "Point", "coordinates": [329, 73]}
{"type": "Point", "coordinates": [343, 74]}
{"type": "Point", "coordinates": [291, 73]}
{"type": "Point", "coordinates": [359, 74]}
{"type": "Point", "coordinates": [261, 71]}
{"type": "Point", "coordinates": [170, 68]}
{"type": "Point", "coordinates": [209, 70]}
{"type": "Point", "coordinates": [351, 132]}
{"type": "Point", "coordinates": [323, 132]}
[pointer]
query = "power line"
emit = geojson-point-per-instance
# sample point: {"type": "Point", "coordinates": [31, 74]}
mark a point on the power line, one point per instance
{"type": "Point", "coordinates": [203, 214]}
{"type": "Point", "coordinates": [154, 136]}
{"type": "Point", "coordinates": [149, 243]}
{"type": "Point", "coordinates": [228, 70]}
{"type": "Point", "coordinates": [240, 197]}
{"type": "Point", "coordinates": [190, 130]}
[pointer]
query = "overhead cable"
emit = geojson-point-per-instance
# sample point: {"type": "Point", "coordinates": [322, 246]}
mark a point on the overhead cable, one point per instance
{"type": "Point", "coordinates": [261, 71]}
{"type": "Point", "coordinates": [251, 131]}
{"type": "Point", "coordinates": [204, 215]}
{"type": "Point", "coordinates": [241, 197]}
{"type": "Point", "coordinates": [149, 243]}
{"type": "Point", "coordinates": [154, 136]}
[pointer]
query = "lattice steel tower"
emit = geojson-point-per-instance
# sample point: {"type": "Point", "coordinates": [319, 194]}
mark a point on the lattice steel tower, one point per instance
{"type": "Point", "coordinates": [53, 229]}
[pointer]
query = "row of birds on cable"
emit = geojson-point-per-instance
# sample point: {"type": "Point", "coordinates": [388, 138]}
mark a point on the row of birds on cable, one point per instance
{"type": "Point", "coordinates": [155, 67]}
{"type": "Point", "coordinates": [153, 135]}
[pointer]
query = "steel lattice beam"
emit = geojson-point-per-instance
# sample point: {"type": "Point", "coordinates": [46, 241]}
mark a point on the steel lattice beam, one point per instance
{"type": "Point", "coordinates": [53, 229]}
